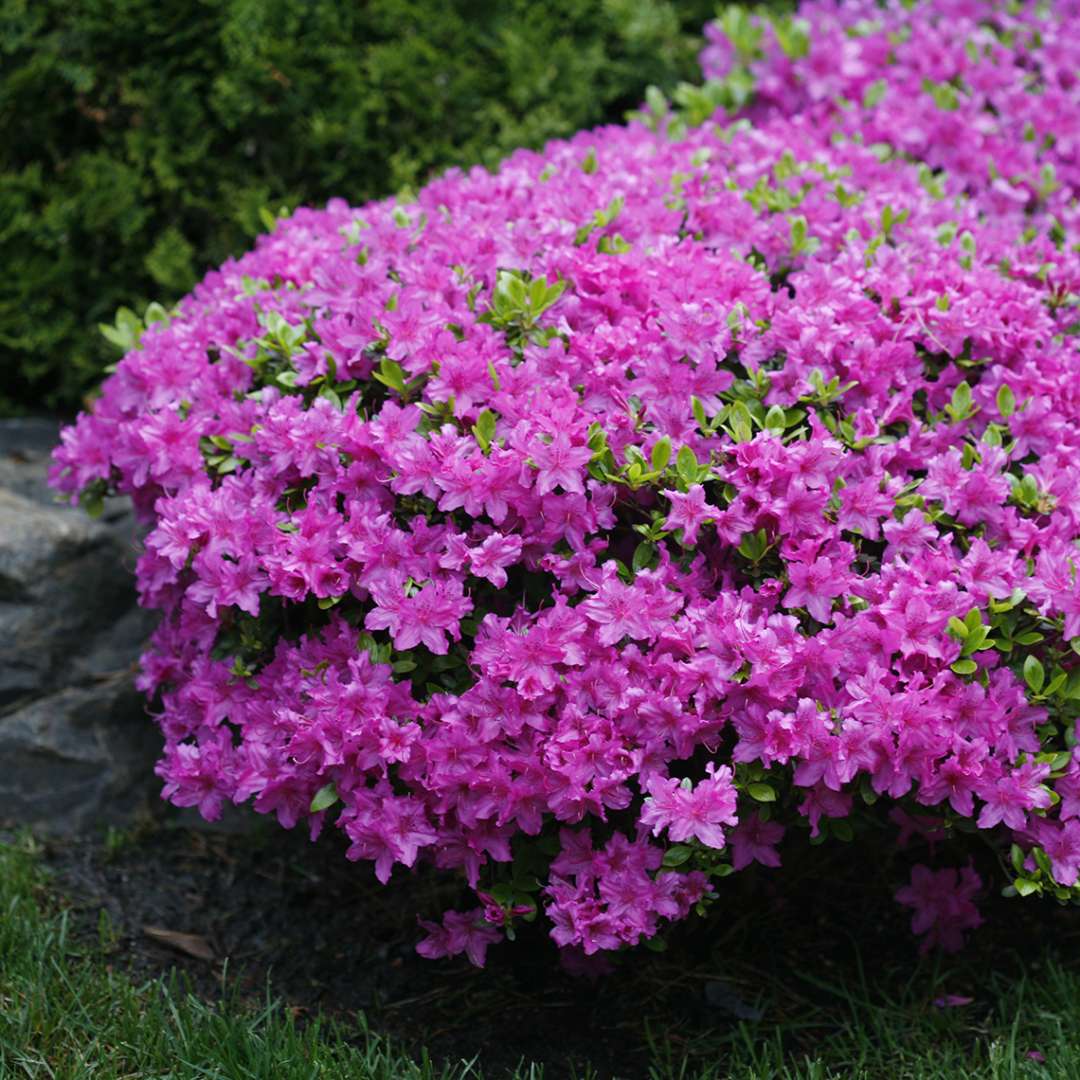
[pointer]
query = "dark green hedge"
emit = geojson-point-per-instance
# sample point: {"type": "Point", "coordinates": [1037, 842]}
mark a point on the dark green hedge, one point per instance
{"type": "Point", "coordinates": [140, 139]}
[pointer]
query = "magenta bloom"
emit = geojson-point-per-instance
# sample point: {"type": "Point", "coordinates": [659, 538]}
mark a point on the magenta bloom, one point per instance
{"type": "Point", "coordinates": [755, 840]}
{"type": "Point", "coordinates": [689, 512]}
{"type": "Point", "coordinates": [944, 905]}
{"type": "Point", "coordinates": [423, 618]}
{"type": "Point", "coordinates": [1011, 796]}
{"type": "Point", "coordinates": [1062, 845]}
{"type": "Point", "coordinates": [815, 585]}
{"type": "Point", "coordinates": [460, 932]}
{"type": "Point", "coordinates": [560, 464]}
{"type": "Point", "coordinates": [691, 811]}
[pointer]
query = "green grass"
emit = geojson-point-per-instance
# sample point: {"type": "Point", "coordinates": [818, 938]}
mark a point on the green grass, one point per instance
{"type": "Point", "coordinates": [65, 1015]}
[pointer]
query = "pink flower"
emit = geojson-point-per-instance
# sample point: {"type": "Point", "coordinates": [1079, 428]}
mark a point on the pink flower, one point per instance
{"type": "Point", "coordinates": [422, 617]}
{"type": "Point", "coordinates": [226, 583]}
{"type": "Point", "coordinates": [1061, 842]}
{"type": "Point", "coordinates": [559, 463]}
{"type": "Point", "coordinates": [863, 506]}
{"type": "Point", "coordinates": [491, 558]}
{"type": "Point", "coordinates": [460, 932]}
{"type": "Point", "coordinates": [688, 811]}
{"type": "Point", "coordinates": [943, 903]}
{"type": "Point", "coordinates": [388, 830]}
{"type": "Point", "coordinates": [911, 534]}
{"type": "Point", "coordinates": [821, 802]}
{"type": "Point", "coordinates": [755, 840]}
{"type": "Point", "coordinates": [689, 512]}
{"type": "Point", "coordinates": [815, 585]}
{"type": "Point", "coordinates": [1012, 795]}
{"type": "Point", "coordinates": [619, 611]}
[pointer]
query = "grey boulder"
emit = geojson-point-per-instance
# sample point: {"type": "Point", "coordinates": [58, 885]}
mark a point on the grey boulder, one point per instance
{"type": "Point", "coordinates": [76, 746]}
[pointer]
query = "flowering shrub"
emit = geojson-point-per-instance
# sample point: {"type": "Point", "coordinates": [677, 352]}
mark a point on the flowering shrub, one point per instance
{"type": "Point", "coordinates": [687, 490]}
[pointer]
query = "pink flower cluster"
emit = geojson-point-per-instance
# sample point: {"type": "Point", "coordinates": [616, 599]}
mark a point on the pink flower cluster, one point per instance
{"type": "Point", "coordinates": [594, 526]}
{"type": "Point", "coordinates": [944, 905]}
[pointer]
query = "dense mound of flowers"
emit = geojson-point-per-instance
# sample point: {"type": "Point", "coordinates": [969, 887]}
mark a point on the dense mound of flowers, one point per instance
{"type": "Point", "coordinates": [601, 526]}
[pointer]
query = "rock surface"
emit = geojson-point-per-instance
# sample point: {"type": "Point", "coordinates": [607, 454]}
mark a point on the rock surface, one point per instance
{"type": "Point", "coordinates": [76, 746]}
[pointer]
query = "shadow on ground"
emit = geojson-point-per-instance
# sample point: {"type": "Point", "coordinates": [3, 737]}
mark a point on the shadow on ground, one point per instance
{"type": "Point", "coordinates": [271, 906]}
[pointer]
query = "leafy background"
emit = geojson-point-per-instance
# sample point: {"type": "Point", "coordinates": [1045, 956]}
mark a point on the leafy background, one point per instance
{"type": "Point", "coordinates": [142, 143]}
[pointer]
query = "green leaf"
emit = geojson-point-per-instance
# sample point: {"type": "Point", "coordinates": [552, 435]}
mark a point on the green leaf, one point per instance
{"type": "Point", "coordinates": [1016, 856]}
{"type": "Point", "coordinates": [268, 218]}
{"type": "Point", "coordinates": [961, 401]}
{"type": "Point", "coordinates": [325, 797]}
{"type": "Point", "coordinates": [155, 313]}
{"type": "Point", "coordinates": [643, 555]}
{"type": "Point", "coordinates": [613, 245]}
{"type": "Point", "coordinates": [502, 893]}
{"type": "Point", "coordinates": [390, 374]}
{"type": "Point", "coordinates": [1061, 761]}
{"type": "Point", "coordinates": [677, 855]}
{"type": "Point", "coordinates": [946, 233]}
{"type": "Point", "coordinates": [1072, 690]}
{"type": "Point", "coordinates": [965, 667]}
{"type": "Point", "coordinates": [874, 94]}
{"type": "Point", "coordinates": [798, 232]}
{"type": "Point", "coordinates": [775, 418]}
{"type": "Point", "coordinates": [975, 640]}
{"type": "Point", "coordinates": [597, 439]}
{"type": "Point", "coordinates": [92, 501]}
{"type": "Point", "coordinates": [754, 545]}
{"type": "Point", "coordinates": [1056, 683]}
{"type": "Point", "coordinates": [1042, 861]}
{"type": "Point", "coordinates": [841, 829]}
{"type": "Point", "coordinates": [484, 429]}
{"type": "Point", "coordinates": [1006, 400]}
{"type": "Point", "coordinates": [686, 465]}
{"type": "Point", "coordinates": [661, 454]}
{"type": "Point", "coordinates": [542, 295]}
{"type": "Point", "coordinates": [943, 93]}
{"type": "Point", "coordinates": [741, 422]}
{"type": "Point", "coordinates": [761, 792]}
{"type": "Point", "coordinates": [1034, 674]}
{"type": "Point", "coordinates": [333, 397]}
{"type": "Point", "coordinates": [126, 331]}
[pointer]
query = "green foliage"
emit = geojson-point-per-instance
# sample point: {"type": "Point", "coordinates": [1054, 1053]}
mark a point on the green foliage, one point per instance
{"type": "Point", "coordinates": [144, 143]}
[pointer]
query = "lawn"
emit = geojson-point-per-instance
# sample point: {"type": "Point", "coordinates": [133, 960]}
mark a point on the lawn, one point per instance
{"type": "Point", "coordinates": [83, 996]}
